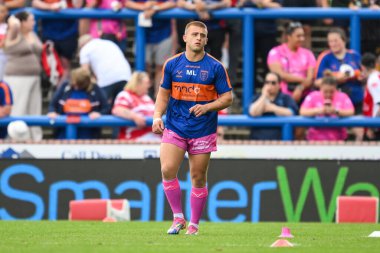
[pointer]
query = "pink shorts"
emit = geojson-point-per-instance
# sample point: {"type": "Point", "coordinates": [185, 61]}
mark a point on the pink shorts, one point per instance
{"type": "Point", "coordinates": [193, 146]}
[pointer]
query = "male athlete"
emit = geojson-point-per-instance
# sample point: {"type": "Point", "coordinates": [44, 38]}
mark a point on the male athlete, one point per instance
{"type": "Point", "coordinates": [193, 88]}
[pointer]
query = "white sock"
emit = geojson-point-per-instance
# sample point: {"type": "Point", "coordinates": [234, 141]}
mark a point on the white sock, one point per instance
{"type": "Point", "coordinates": [178, 215]}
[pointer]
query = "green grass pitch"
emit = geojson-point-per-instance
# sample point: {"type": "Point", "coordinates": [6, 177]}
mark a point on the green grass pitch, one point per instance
{"type": "Point", "coordinates": [120, 237]}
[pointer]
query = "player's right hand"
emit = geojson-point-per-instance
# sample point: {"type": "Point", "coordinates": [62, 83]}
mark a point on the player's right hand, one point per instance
{"type": "Point", "coordinates": [158, 126]}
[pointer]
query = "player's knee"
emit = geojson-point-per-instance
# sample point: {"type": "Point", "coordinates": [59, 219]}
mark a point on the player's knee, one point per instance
{"type": "Point", "coordinates": [198, 180]}
{"type": "Point", "coordinates": [168, 172]}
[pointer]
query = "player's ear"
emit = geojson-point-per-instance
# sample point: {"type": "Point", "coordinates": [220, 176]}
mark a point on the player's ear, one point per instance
{"type": "Point", "coordinates": [206, 41]}
{"type": "Point", "coordinates": [184, 37]}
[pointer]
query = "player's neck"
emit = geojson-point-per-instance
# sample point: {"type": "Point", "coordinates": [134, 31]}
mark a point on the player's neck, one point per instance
{"type": "Point", "coordinates": [194, 56]}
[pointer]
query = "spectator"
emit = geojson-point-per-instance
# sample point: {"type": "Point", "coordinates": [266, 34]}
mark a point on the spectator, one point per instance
{"type": "Point", "coordinates": [22, 71]}
{"type": "Point", "coordinates": [158, 37]}
{"type": "Point", "coordinates": [63, 32]}
{"type": "Point", "coordinates": [271, 102]}
{"type": "Point", "coordinates": [370, 34]}
{"type": "Point", "coordinates": [134, 103]}
{"type": "Point", "coordinates": [3, 32]}
{"type": "Point", "coordinates": [111, 29]}
{"type": "Point", "coordinates": [79, 97]}
{"type": "Point", "coordinates": [265, 34]}
{"type": "Point", "coordinates": [307, 24]}
{"type": "Point", "coordinates": [107, 62]}
{"type": "Point", "coordinates": [327, 102]}
{"type": "Point", "coordinates": [215, 27]}
{"type": "Point", "coordinates": [6, 101]}
{"type": "Point", "coordinates": [344, 64]}
{"type": "Point", "coordinates": [371, 103]}
{"type": "Point", "coordinates": [293, 63]}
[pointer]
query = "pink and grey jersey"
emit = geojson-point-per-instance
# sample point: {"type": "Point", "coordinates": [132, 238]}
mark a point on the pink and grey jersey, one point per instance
{"type": "Point", "coordinates": [296, 63]}
{"type": "Point", "coordinates": [193, 83]}
{"type": "Point", "coordinates": [340, 101]}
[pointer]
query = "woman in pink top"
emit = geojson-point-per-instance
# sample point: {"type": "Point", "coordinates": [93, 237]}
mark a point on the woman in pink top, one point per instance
{"type": "Point", "coordinates": [327, 102]}
{"type": "Point", "coordinates": [293, 63]}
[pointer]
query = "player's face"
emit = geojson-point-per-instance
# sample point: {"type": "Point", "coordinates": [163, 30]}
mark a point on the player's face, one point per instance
{"type": "Point", "coordinates": [336, 44]}
{"type": "Point", "coordinates": [195, 38]}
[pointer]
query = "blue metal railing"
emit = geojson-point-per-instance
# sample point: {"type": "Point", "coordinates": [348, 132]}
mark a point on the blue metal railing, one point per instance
{"type": "Point", "coordinates": [286, 123]}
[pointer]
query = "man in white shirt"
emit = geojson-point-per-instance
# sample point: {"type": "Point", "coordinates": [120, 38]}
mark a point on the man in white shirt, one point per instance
{"type": "Point", "coordinates": [105, 59]}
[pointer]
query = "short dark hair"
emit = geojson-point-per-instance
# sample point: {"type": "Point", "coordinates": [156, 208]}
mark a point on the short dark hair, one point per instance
{"type": "Point", "coordinates": [329, 79]}
{"type": "Point", "coordinates": [22, 15]}
{"type": "Point", "coordinates": [340, 32]}
{"type": "Point", "coordinates": [291, 26]}
{"type": "Point", "coordinates": [369, 60]}
{"type": "Point", "coordinates": [275, 74]}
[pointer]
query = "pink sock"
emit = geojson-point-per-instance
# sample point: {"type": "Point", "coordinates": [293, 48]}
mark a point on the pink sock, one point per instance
{"type": "Point", "coordinates": [198, 200]}
{"type": "Point", "coordinates": [173, 194]}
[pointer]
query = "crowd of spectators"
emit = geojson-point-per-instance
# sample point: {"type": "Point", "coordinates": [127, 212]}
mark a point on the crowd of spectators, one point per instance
{"type": "Point", "coordinates": [295, 82]}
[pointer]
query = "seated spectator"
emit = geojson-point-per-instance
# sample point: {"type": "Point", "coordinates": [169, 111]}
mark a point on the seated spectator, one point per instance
{"type": "Point", "coordinates": [105, 59]}
{"type": "Point", "coordinates": [371, 103]}
{"type": "Point", "coordinates": [271, 102]}
{"type": "Point", "coordinates": [344, 64]}
{"type": "Point", "coordinates": [134, 103]}
{"type": "Point", "coordinates": [112, 29]}
{"type": "Point", "coordinates": [22, 72]}
{"type": "Point", "coordinates": [6, 102]}
{"type": "Point", "coordinates": [327, 102]}
{"type": "Point", "coordinates": [79, 97]}
{"type": "Point", "coordinates": [293, 63]}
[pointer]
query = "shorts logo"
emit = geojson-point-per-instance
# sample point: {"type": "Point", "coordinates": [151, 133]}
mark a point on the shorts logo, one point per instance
{"type": "Point", "coordinates": [204, 75]}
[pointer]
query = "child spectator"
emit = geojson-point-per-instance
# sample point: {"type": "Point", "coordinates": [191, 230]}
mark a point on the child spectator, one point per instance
{"type": "Point", "coordinates": [79, 97]}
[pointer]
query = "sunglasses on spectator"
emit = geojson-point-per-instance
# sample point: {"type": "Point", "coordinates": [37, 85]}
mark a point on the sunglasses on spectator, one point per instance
{"type": "Point", "coordinates": [292, 26]}
{"type": "Point", "coordinates": [270, 82]}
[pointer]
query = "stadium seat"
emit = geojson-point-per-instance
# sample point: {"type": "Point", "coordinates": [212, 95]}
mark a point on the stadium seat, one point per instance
{"type": "Point", "coordinates": [357, 209]}
{"type": "Point", "coordinates": [99, 209]}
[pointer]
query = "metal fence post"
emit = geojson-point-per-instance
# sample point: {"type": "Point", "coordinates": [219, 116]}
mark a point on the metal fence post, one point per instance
{"type": "Point", "coordinates": [355, 32]}
{"type": "Point", "coordinates": [287, 132]}
{"type": "Point", "coordinates": [71, 132]}
{"type": "Point", "coordinates": [248, 62]}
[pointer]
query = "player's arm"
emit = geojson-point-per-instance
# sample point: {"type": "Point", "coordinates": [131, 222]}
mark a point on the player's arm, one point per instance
{"type": "Point", "coordinates": [162, 101]}
{"type": "Point", "coordinates": [224, 101]}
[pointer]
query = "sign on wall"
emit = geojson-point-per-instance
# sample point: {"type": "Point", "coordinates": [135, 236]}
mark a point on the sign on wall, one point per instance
{"type": "Point", "coordinates": [239, 190]}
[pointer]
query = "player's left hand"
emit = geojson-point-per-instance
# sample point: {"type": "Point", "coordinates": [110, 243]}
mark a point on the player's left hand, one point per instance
{"type": "Point", "coordinates": [199, 110]}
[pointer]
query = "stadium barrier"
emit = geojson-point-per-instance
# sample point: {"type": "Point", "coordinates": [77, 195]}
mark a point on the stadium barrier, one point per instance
{"type": "Point", "coordinates": [248, 17]}
{"type": "Point", "coordinates": [286, 123]}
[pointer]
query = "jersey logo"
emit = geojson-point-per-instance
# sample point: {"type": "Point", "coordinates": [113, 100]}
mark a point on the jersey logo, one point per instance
{"type": "Point", "coordinates": [191, 72]}
{"type": "Point", "coordinates": [204, 75]}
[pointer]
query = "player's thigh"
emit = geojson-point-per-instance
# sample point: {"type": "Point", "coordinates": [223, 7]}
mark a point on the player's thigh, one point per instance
{"type": "Point", "coordinates": [171, 157]}
{"type": "Point", "coordinates": [199, 165]}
